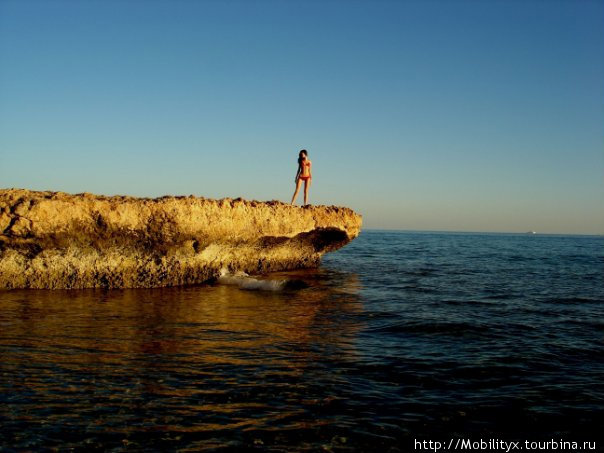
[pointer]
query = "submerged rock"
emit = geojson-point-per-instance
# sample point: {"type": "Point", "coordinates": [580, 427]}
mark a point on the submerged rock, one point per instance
{"type": "Point", "coordinates": [57, 240]}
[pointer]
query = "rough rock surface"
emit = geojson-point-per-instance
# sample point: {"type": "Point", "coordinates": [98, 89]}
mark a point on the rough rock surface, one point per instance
{"type": "Point", "coordinates": [57, 240]}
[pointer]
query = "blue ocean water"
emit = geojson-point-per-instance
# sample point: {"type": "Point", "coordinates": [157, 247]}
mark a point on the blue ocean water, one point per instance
{"type": "Point", "coordinates": [397, 337]}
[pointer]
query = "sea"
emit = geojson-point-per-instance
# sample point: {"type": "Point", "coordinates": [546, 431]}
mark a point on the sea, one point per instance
{"type": "Point", "coordinates": [398, 342]}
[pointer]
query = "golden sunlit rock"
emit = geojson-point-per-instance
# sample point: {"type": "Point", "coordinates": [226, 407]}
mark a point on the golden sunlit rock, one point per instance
{"type": "Point", "coordinates": [57, 240]}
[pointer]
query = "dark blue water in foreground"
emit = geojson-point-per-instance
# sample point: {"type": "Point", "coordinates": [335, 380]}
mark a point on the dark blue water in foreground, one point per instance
{"type": "Point", "coordinates": [397, 337]}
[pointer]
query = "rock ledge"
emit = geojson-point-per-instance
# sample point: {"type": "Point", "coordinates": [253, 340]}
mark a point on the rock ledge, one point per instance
{"type": "Point", "coordinates": [56, 240]}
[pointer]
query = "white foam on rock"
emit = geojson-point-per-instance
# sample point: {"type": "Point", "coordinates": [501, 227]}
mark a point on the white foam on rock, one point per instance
{"type": "Point", "coordinates": [244, 281]}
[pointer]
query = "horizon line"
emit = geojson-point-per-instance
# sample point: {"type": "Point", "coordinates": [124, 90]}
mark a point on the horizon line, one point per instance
{"type": "Point", "coordinates": [527, 233]}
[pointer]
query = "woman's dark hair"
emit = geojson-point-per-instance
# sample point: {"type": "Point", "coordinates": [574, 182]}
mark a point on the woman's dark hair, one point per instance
{"type": "Point", "coordinates": [300, 155]}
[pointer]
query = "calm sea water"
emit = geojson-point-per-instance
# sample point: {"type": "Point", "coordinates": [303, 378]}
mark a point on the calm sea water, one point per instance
{"type": "Point", "coordinates": [398, 336]}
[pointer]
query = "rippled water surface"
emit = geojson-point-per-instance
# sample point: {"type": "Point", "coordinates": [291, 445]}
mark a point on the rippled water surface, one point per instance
{"type": "Point", "coordinates": [397, 336]}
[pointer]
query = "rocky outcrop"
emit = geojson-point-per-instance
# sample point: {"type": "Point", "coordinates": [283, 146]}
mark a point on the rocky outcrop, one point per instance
{"type": "Point", "coordinates": [57, 240]}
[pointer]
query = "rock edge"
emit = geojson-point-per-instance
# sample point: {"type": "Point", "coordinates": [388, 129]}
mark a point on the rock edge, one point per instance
{"type": "Point", "coordinates": [56, 240]}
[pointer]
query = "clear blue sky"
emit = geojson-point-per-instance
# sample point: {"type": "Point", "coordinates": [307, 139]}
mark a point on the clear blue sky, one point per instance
{"type": "Point", "coordinates": [439, 115]}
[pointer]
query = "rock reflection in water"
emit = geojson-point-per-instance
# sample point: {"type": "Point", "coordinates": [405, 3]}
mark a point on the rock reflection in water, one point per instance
{"type": "Point", "coordinates": [189, 367]}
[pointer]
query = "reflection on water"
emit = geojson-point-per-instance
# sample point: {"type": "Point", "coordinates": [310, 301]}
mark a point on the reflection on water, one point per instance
{"type": "Point", "coordinates": [175, 367]}
{"type": "Point", "coordinates": [433, 336]}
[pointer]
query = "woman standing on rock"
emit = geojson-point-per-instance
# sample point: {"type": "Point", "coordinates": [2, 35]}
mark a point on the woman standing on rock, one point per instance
{"type": "Point", "coordinates": [304, 173]}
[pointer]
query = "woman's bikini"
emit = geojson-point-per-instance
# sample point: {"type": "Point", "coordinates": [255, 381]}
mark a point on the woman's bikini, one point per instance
{"type": "Point", "coordinates": [305, 164]}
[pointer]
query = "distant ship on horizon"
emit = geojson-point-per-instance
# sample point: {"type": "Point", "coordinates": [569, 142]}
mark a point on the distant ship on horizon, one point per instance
{"type": "Point", "coordinates": [531, 232]}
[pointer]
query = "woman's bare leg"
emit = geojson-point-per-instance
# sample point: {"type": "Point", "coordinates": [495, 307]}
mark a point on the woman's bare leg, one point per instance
{"type": "Point", "coordinates": [306, 186]}
{"type": "Point", "coordinates": [298, 184]}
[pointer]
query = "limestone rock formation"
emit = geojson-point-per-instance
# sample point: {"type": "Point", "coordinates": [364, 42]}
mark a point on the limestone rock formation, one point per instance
{"type": "Point", "coordinates": [57, 240]}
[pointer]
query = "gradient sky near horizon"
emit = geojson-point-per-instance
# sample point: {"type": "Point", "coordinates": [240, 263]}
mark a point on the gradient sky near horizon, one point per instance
{"type": "Point", "coordinates": [421, 115]}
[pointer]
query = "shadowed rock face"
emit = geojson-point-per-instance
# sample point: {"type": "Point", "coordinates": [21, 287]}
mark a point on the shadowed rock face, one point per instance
{"type": "Point", "coordinates": [57, 240]}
